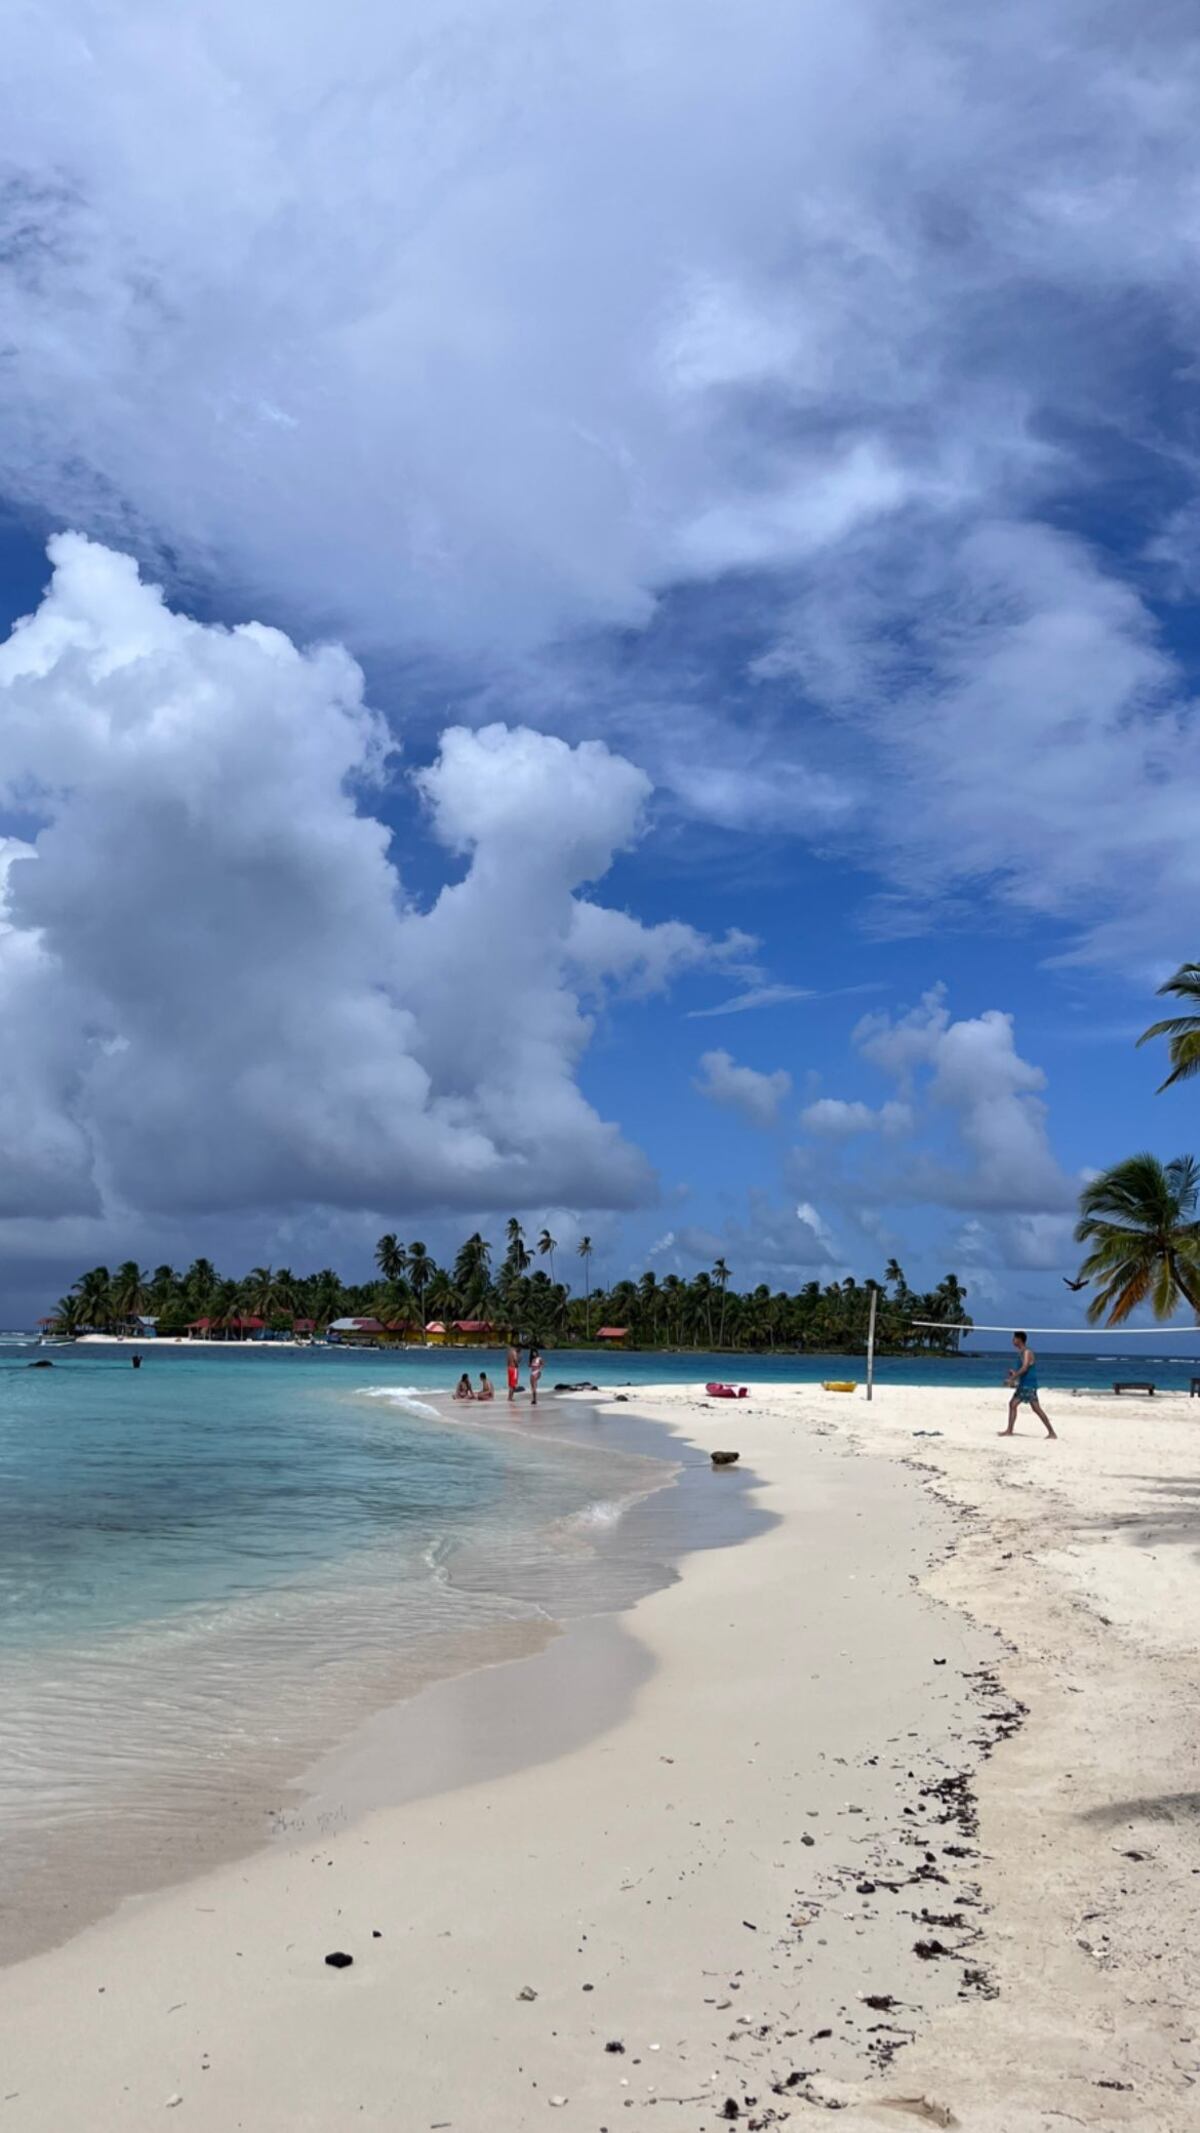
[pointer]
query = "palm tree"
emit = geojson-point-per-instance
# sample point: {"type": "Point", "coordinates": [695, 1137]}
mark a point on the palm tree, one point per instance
{"type": "Point", "coordinates": [517, 1259]}
{"type": "Point", "coordinates": [69, 1316]}
{"type": "Point", "coordinates": [1140, 1220]}
{"type": "Point", "coordinates": [721, 1277]}
{"type": "Point", "coordinates": [584, 1249]}
{"type": "Point", "coordinates": [391, 1259]}
{"type": "Point", "coordinates": [128, 1294]}
{"type": "Point", "coordinates": [325, 1297]}
{"type": "Point", "coordinates": [471, 1270]}
{"type": "Point", "coordinates": [1183, 1030]}
{"type": "Point", "coordinates": [95, 1297]}
{"type": "Point", "coordinates": [547, 1246]}
{"type": "Point", "coordinates": [444, 1299]}
{"type": "Point", "coordinates": [421, 1271]}
{"type": "Point", "coordinates": [260, 1291]}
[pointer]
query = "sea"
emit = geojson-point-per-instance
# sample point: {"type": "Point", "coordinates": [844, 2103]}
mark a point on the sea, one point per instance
{"type": "Point", "coordinates": [215, 1567]}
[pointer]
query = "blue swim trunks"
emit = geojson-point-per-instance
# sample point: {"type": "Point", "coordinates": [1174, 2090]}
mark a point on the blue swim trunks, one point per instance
{"type": "Point", "coordinates": [1028, 1387]}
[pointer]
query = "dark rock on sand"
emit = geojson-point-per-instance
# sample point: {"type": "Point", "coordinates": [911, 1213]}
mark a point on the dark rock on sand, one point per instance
{"type": "Point", "coordinates": [338, 1960]}
{"type": "Point", "coordinates": [725, 1458]}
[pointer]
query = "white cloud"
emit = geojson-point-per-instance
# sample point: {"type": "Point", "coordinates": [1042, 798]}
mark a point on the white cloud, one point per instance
{"type": "Point", "coordinates": [475, 332]}
{"type": "Point", "coordinates": [757, 1097]}
{"type": "Point", "coordinates": [837, 1119]}
{"type": "Point", "coordinates": [783, 1246]}
{"type": "Point", "coordinates": [741, 1003]}
{"type": "Point", "coordinates": [969, 1076]}
{"type": "Point", "coordinates": [215, 992]}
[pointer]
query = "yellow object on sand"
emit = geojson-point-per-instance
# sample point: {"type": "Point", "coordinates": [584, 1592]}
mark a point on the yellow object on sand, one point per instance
{"type": "Point", "coordinates": [838, 1385]}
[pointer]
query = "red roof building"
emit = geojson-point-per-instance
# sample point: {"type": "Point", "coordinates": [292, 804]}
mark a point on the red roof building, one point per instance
{"type": "Point", "coordinates": [611, 1333]}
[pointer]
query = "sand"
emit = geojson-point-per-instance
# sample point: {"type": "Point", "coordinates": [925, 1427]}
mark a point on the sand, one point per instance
{"type": "Point", "coordinates": [851, 1677]}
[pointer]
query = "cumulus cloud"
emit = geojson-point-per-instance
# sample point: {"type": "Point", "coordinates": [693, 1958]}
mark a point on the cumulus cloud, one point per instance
{"type": "Point", "coordinates": [968, 1076]}
{"type": "Point", "coordinates": [215, 991]}
{"type": "Point", "coordinates": [757, 1097]}
{"type": "Point", "coordinates": [781, 1245]}
{"type": "Point", "coordinates": [834, 1117]}
{"type": "Point", "coordinates": [475, 333]}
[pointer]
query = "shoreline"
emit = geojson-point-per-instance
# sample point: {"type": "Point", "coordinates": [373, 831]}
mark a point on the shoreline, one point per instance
{"type": "Point", "coordinates": [596, 1561]}
{"type": "Point", "coordinates": [662, 1867]}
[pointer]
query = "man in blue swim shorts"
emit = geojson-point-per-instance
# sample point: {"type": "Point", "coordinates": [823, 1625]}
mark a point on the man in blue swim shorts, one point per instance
{"type": "Point", "coordinates": [1023, 1380]}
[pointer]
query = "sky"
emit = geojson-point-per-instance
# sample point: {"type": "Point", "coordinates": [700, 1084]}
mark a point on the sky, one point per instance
{"type": "Point", "coordinates": [599, 616]}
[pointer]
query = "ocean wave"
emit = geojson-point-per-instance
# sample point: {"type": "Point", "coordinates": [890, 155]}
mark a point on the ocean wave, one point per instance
{"type": "Point", "coordinates": [598, 1517]}
{"type": "Point", "coordinates": [404, 1396]}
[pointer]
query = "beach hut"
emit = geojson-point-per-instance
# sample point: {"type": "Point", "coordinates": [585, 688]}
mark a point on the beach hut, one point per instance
{"type": "Point", "coordinates": [356, 1332]}
{"type": "Point", "coordinates": [472, 1332]}
{"type": "Point", "coordinates": [435, 1333]}
{"type": "Point", "coordinates": [612, 1333]}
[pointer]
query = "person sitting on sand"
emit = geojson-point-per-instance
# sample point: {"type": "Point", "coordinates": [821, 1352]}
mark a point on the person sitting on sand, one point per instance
{"type": "Point", "coordinates": [514, 1372]}
{"type": "Point", "coordinates": [485, 1387]}
{"type": "Point", "coordinates": [1025, 1388]}
{"type": "Point", "coordinates": [536, 1367]}
{"type": "Point", "coordinates": [464, 1390]}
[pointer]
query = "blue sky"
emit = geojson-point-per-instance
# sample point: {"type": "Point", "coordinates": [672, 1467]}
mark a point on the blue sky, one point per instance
{"type": "Point", "coordinates": [652, 511]}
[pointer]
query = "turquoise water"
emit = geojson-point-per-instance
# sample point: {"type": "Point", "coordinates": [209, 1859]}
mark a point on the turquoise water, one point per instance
{"type": "Point", "coordinates": [212, 1567]}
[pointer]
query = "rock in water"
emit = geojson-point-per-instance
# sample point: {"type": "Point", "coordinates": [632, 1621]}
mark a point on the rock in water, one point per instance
{"type": "Point", "coordinates": [725, 1458]}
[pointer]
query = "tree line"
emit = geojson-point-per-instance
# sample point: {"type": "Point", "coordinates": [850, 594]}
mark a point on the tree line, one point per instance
{"type": "Point", "coordinates": [520, 1293]}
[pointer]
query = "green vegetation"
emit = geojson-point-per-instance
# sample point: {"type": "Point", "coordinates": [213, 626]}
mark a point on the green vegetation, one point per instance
{"type": "Point", "coordinates": [1140, 1217]}
{"type": "Point", "coordinates": [1183, 1031]}
{"type": "Point", "coordinates": [411, 1288]}
{"type": "Point", "coordinates": [1140, 1220]}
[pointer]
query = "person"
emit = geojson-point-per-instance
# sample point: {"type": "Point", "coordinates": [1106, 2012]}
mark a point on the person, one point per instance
{"type": "Point", "coordinates": [485, 1387]}
{"type": "Point", "coordinates": [1023, 1380]}
{"type": "Point", "coordinates": [464, 1389]}
{"type": "Point", "coordinates": [514, 1371]}
{"type": "Point", "coordinates": [136, 1360]}
{"type": "Point", "coordinates": [536, 1367]}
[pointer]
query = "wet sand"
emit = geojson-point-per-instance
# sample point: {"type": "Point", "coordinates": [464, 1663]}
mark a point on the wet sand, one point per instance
{"type": "Point", "coordinates": [826, 1839]}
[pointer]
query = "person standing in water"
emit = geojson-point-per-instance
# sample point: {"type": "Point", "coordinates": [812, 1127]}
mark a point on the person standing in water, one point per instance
{"type": "Point", "coordinates": [536, 1366]}
{"type": "Point", "coordinates": [514, 1371]}
{"type": "Point", "coordinates": [1023, 1380]}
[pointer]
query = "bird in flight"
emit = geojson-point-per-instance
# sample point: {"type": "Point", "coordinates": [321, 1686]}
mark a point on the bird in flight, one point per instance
{"type": "Point", "coordinates": [1074, 1284]}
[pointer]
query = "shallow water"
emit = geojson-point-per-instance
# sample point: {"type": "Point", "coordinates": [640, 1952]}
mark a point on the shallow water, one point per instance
{"type": "Point", "coordinates": [212, 1568]}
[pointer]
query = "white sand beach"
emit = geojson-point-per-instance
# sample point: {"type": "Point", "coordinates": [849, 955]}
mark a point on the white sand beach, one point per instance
{"type": "Point", "coordinates": [810, 1859]}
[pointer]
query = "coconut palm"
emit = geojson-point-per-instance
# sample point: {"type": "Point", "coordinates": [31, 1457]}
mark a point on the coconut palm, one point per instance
{"type": "Point", "coordinates": [260, 1291]}
{"type": "Point", "coordinates": [94, 1290]}
{"type": "Point", "coordinates": [69, 1316]}
{"type": "Point", "coordinates": [585, 1249]}
{"type": "Point", "coordinates": [471, 1270]}
{"type": "Point", "coordinates": [391, 1259]}
{"type": "Point", "coordinates": [721, 1277]}
{"type": "Point", "coordinates": [1140, 1220]}
{"type": "Point", "coordinates": [421, 1271]}
{"type": "Point", "coordinates": [1183, 1031]}
{"type": "Point", "coordinates": [128, 1291]}
{"type": "Point", "coordinates": [547, 1246]}
{"type": "Point", "coordinates": [517, 1259]}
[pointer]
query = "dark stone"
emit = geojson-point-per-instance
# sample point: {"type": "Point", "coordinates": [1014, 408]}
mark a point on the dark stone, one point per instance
{"type": "Point", "coordinates": [615, 2045]}
{"type": "Point", "coordinates": [43, 1363]}
{"type": "Point", "coordinates": [725, 1458]}
{"type": "Point", "coordinates": [730, 2109]}
{"type": "Point", "coordinates": [338, 1961]}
